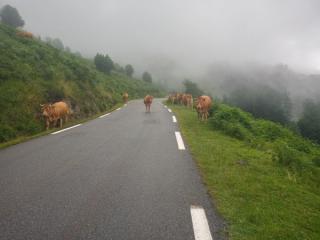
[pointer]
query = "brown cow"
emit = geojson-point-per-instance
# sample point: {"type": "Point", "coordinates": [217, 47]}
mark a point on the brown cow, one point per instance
{"type": "Point", "coordinates": [179, 97]}
{"type": "Point", "coordinates": [148, 101]}
{"type": "Point", "coordinates": [125, 97]}
{"type": "Point", "coordinates": [187, 100]}
{"type": "Point", "coordinates": [25, 34]}
{"type": "Point", "coordinates": [203, 106]}
{"type": "Point", "coordinates": [172, 98]}
{"type": "Point", "coordinates": [54, 112]}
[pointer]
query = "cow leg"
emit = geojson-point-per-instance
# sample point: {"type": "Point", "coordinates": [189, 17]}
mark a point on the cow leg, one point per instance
{"type": "Point", "coordinates": [60, 122]}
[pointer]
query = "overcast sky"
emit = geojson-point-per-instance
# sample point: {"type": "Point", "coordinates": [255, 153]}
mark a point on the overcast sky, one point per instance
{"type": "Point", "coordinates": [187, 35]}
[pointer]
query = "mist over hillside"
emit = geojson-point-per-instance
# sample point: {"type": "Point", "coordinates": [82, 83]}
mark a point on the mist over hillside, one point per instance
{"type": "Point", "coordinates": [223, 46]}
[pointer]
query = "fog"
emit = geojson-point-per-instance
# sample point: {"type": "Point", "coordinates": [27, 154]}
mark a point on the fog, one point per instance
{"type": "Point", "coordinates": [190, 34]}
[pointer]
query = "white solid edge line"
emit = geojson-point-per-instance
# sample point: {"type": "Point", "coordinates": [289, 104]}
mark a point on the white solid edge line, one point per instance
{"type": "Point", "coordinates": [66, 129]}
{"type": "Point", "coordinates": [104, 115]}
{"type": "Point", "coordinates": [180, 141]}
{"type": "Point", "coordinates": [169, 110]}
{"type": "Point", "coordinates": [200, 224]}
{"type": "Point", "coordinates": [174, 119]}
{"type": "Point", "coordinates": [118, 109]}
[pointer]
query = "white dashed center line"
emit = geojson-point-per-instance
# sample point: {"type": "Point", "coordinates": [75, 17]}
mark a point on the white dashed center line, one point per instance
{"type": "Point", "coordinates": [180, 141]}
{"type": "Point", "coordinates": [66, 129]}
{"type": "Point", "coordinates": [169, 110]}
{"type": "Point", "coordinates": [174, 119]}
{"type": "Point", "coordinates": [200, 223]}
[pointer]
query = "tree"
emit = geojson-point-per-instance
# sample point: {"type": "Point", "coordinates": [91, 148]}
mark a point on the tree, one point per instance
{"type": "Point", "coordinates": [10, 16]}
{"type": "Point", "coordinates": [262, 101]}
{"type": "Point", "coordinates": [192, 88]}
{"type": "Point", "coordinates": [129, 70]}
{"type": "Point", "coordinates": [103, 63]}
{"type": "Point", "coordinates": [57, 43]}
{"type": "Point", "coordinates": [147, 77]}
{"type": "Point", "coordinates": [309, 123]}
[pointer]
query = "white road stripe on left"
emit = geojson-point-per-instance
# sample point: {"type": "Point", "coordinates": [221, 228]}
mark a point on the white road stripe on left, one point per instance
{"type": "Point", "coordinates": [104, 115]}
{"type": "Point", "coordinates": [179, 141]}
{"type": "Point", "coordinates": [66, 129]}
{"type": "Point", "coordinates": [200, 224]}
{"type": "Point", "coordinates": [169, 110]}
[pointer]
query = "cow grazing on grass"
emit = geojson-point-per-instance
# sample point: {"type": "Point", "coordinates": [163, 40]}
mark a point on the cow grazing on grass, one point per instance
{"type": "Point", "coordinates": [54, 112]}
{"type": "Point", "coordinates": [148, 101]}
{"type": "Point", "coordinates": [25, 34]}
{"type": "Point", "coordinates": [125, 97]}
{"type": "Point", "coordinates": [203, 106]}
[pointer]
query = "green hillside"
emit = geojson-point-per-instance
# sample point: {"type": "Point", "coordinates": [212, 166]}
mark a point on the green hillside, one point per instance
{"type": "Point", "coordinates": [32, 73]}
{"type": "Point", "coordinates": [264, 178]}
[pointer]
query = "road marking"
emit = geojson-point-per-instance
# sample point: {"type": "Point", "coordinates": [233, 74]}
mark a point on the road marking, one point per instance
{"type": "Point", "coordinates": [169, 110]}
{"type": "Point", "coordinates": [118, 109]}
{"type": "Point", "coordinates": [165, 106]}
{"type": "Point", "coordinates": [104, 115]}
{"type": "Point", "coordinates": [66, 129]}
{"type": "Point", "coordinates": [180, 141]}
{"type": "Point", "coordinates": [200, 224]}
{"type": "Point", "coordinates": [174, 119]}
{"type": "Point", "coordinates": [125, 105]}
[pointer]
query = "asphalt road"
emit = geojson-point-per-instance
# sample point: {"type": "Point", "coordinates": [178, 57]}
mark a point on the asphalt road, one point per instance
{"type": "Point", "coordinates": [117, 177]}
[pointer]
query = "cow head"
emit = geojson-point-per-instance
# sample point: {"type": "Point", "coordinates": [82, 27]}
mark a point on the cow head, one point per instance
{"type": "Point", "coordinates": [46, 110]}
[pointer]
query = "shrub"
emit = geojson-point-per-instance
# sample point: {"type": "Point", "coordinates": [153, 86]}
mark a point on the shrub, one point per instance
{"type": "Point", "coordinates": [286, 156]}
{"type": "Point", "coordinates": [6, 132]}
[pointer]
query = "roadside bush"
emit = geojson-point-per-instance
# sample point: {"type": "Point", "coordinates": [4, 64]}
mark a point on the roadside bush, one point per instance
{"type": "Point", "coordinates": [316, 161]}
{"type": "Point", "coordinates": [6, 132]}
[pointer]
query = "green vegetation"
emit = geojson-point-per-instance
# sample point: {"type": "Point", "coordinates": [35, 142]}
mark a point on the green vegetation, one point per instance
{"type": "Point", "coordinates": [309, 123]}
{"type": "Point", "coordinates": [33, 72]}
{"type": "Point", "coordinates": [192, 88]}
{"type": "Point", "coordinates": [262, 101]}
{"type": "Point", "coordinates": [103, 63]}
{"type": "Point", "coordinates": [129, 70]}
{"type": "Point", "coordinates": [147, 77]}
{"type": "Point", "coordinates": [265, 179]}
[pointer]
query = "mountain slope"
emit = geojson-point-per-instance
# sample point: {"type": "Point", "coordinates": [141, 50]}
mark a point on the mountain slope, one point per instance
{"type": "Point", "coordinates": [32, 72]}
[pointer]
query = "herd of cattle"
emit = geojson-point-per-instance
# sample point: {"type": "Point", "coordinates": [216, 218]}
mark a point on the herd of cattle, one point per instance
{"type": "Point", "coordinates": [202, 104]}
{"type": "Point", "coordinates": [60, 111]}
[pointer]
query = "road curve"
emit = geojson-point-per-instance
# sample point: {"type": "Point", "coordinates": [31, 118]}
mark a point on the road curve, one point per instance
{"type": "Point", "coordinates": [117, 177]}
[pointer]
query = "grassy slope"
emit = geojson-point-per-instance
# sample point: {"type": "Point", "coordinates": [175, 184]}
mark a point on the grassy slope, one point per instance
{"type": "Point", "coordinates": [258, 198]}
{"type": "Point", "coordinates": [32, 72]}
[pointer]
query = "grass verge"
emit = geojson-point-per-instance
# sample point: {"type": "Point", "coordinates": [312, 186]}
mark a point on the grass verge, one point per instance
{"type": "Point", "coordinates": [258, 198]}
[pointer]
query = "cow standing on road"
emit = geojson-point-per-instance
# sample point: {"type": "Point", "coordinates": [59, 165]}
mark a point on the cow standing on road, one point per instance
{"type": "Point", "coordinates": [148, 101]}
{"type": "Point", "coordinates": [54, 112]}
